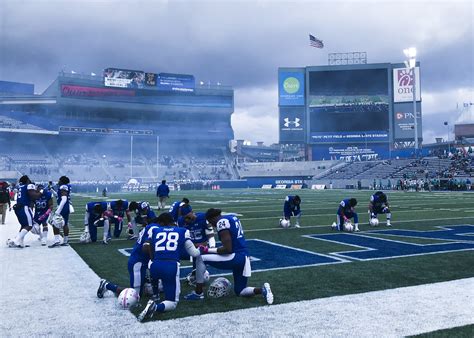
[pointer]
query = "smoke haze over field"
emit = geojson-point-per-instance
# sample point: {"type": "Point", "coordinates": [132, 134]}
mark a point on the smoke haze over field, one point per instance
{"type": "Point", "coordinates": [242, 43]}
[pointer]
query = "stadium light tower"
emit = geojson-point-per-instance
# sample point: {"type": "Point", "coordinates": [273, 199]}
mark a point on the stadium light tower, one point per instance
{"type": "Point", "coordinates": [410, 53]}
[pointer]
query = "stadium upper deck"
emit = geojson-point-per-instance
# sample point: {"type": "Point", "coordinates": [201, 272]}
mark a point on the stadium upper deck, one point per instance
{"type": "Point", "coordinates": [81, 110]}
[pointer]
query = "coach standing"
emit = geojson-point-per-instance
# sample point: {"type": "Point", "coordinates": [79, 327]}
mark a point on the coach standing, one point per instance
{"type": "Point", "coordinates": [163, 192]}
{"type": "Point", "coordinates": [4, 200]}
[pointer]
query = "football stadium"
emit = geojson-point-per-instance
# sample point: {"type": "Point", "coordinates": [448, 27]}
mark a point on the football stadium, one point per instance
{"type": "Point", "coordinates": [132, 206]}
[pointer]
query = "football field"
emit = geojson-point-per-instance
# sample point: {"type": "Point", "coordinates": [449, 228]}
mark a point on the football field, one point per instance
{"type": "Point", "coordinates": [431, 240]}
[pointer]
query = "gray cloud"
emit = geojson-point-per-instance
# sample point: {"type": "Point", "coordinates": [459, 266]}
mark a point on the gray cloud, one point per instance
{"type": "Point", "coordinates": [240, 43]}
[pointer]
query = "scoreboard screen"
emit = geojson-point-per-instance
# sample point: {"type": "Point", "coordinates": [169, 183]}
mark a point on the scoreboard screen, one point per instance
{"type": "Point", "coordinates": [346, 102]}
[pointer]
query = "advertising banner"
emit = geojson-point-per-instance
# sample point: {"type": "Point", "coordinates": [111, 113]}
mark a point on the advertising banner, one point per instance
{"type": "Point", "coordinates": [336, 137]}
{"type": "Point", "coordinates": [292, 125]}
{"type": "Point", "coordinates": [176, 82]}
{"type": "Point", "coordinates": [151, 79]}
{"type": "Point", "coordinates": [82, 91]}
{"type": "Point", "coordinates": [403, 84]}
{"type": "Point", "coordinates": [351, 153]}
{"type": "Point", "coordinates": [124, 78]}
{"type": "Point", "coordinates": [403, 121]}
{"type": "Point", "coordinates": [291, 88]}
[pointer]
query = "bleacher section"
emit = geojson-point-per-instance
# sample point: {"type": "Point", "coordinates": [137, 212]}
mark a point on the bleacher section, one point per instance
{"type": "Point", "coordinates": [271, 169]}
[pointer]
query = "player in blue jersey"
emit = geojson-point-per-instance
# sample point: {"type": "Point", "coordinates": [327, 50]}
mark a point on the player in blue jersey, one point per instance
{"type": "Point", "coordinates": [200, 232]}
{"type": "Point", "coordinates": [119, 209]}
{"type": "Point", "coordinates": [164, 246]}
{"type": "Point", "coordinates": [43, 207]}
{"type": "Point", "coordinates": [180, 208]}
{"type": "Point", "coordinates": [143, 216]}
{"type": "Point", "coordinates": [137, 266]}
{"type": "Point", "coordinates": [291, 207]}
{"type": "Point", "coordinates": [96, 216]}
{"type": "Point", "coordinates": [379, 205]}
{"type": "Point", "coordinates": [232, 255]}
{"type": "Point", "coordinates": [63, 209]}
{"type": "Point", "coordinates": [26, 196]}
{"type": "Point", "coordinates": [345, 212]}
{"type": "Point", "coordinates": [163, 193]}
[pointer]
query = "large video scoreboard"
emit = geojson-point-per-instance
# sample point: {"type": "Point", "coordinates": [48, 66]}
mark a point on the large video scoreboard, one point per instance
{"type": "Point", "coordinates": [347, 112]}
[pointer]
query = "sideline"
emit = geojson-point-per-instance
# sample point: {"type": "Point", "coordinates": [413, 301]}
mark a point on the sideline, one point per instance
{"type": "Point", "coordinates": [51, 292]}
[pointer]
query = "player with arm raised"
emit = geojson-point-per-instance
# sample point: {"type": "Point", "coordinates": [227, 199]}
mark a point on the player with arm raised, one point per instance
{"type": "Point", "coordinates": [232, 255]}
{"type": "Point", "coordinates": [378, 204]}
{"type": "Point", "coordinates": [164, 246]}
{"type": "Point", "coordinates": [26, 195]}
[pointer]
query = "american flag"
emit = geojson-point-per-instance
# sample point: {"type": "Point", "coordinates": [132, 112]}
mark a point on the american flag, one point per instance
{"type": "Point", "coordinates": [314, 42]}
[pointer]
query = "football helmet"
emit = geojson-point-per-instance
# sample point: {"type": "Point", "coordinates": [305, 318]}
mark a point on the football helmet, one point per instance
{"type": "Point", "coordinates": [219, 287]}
{"type": "Point", "coordinates": [128, 298]}
{"type": "Point", "coordinates": [85, 237]}
{"type": "Point", "coordinates": [284, 223]}
{"type": "Point", "coordinates": [348, 226]}
{"type": "Point", "coordinates": [145, 205]}
{"type": "Point", "coordinates": [191, 278]}
{"type": "Point", "coordinates": [374, 222]}
{"type": "Point", "coordinates": [56, 220]}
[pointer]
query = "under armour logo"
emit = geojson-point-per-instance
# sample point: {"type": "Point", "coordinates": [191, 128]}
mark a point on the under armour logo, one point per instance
{"type": "Point", "coordinates": [296, 122]}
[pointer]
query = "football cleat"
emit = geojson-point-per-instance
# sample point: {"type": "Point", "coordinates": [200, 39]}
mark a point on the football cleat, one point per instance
{"type": "Point", "coordinates": [55, 245]}
{"type": "Point", "coordinates": [297, 225]}
{"type": "Point", "coordinates": [194, 296]}
{"type": "Point", "coordinates": [101, 290]}
{"type": "Point", "coordinates": [356, 228]}
{"type": "Point", "coordinates": [267, 293]}
{"type": "Point", "coordinates": [105, 242]}
{"type": "Point", "coordinates": [148, 312]}
{"type": "Point", "coordinates": [388, 223]}
{"type": "Point", "coordinates": [43, 241]}
{"type": "Point", "coordinates": [65, 244]}
{"type": "Point", "coordinates": [334, 227]}
{"type": "Point", "coordinates": [131, 237]}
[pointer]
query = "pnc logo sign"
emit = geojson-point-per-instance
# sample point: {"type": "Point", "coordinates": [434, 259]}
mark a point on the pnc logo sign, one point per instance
{"type": "Point", "coordinates": [296, 123]}
{"type": "Point", "coordinates": [402, 116]}
{"type": "Point", "coordinates": [291, 85]}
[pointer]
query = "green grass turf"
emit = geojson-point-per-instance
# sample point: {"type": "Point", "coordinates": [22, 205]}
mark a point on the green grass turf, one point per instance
{"type": "Point", "coordinates": [260, 211]}
{"type": "Point", "coordinates": [466, 331]}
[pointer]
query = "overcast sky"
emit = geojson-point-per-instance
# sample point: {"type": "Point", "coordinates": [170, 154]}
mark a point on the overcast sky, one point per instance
{"type": "Point", "coordinates": [242, 44]}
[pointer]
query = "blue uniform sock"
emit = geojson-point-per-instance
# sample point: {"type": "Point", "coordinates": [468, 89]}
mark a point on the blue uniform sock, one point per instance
{"type": "Point", "coordinates": [111, 287]}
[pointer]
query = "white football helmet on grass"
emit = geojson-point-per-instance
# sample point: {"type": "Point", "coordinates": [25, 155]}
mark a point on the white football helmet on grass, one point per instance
{"type": "Point", "coordinates": [284, 223]}
{"type": "Point", "coordinates": [128, 298]}
{"type": "Point", "coordinates": [348, 226]}
{"type": "Point", "coordinates": [374, 222]}
{"type": "Point", "coordinates": [219, 287]}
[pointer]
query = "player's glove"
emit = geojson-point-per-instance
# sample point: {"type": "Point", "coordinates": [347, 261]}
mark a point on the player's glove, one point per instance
{"type": "Point", "coordinates": [385, 210]}
{"type": "Point", "coordinates": [345, 219]}
{"type": "Point", "coordinates": [203, 249]}
{"type": "Point", "coordinates": [372, 215]}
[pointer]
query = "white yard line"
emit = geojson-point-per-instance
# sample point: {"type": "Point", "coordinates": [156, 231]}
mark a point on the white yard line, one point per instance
{"type": "Point", "coordinates": [51, 292]}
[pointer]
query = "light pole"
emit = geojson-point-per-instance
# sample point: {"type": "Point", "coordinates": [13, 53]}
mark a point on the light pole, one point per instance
{"type": "Point", "coordinates": [410, 53]}
{"type": "Point", "coordinates": [447, 136]}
